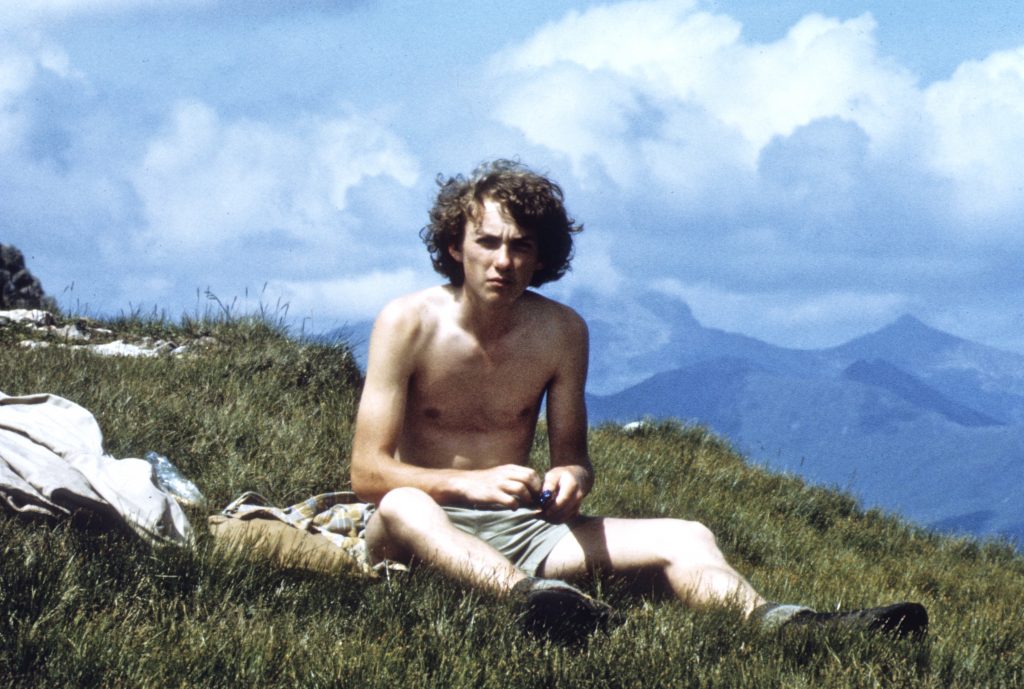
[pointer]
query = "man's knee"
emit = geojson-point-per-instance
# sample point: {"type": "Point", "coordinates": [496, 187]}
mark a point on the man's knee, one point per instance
{"type": "Point", "coordinates": [698, 533]}
{"type": "Point", "coordinates": [406, 506]}
{"type": "Point", "coordinates": [690, 541]}
{"type": "Point", "coordinates": [404, 518]}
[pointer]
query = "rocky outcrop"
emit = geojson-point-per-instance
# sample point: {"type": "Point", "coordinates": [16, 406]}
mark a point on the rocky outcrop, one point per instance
{"type": "Point", "coordinates": [19, 289]}
{"type": "Point", "coordinates": [37, 329]}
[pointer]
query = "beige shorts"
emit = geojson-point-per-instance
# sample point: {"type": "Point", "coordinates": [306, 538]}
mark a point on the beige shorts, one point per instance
{"type": "Point", "coordinates": [521, 535]}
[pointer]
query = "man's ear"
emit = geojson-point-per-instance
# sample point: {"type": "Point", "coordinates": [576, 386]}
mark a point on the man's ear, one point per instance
{"type": "Point", "coordinates": [455, 252]}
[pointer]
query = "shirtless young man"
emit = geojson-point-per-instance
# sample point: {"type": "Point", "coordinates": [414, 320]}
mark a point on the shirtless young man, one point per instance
{"type": "Point", "coordinates": [454, 387]}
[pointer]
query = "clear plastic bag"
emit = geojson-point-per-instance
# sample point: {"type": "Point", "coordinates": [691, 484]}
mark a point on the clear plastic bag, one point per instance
{"type": "Point", "coordinates": [171, 481]}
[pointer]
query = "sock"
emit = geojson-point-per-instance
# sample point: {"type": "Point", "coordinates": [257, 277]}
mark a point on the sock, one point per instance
{"type": "Point", "coordinates": [774, 615]}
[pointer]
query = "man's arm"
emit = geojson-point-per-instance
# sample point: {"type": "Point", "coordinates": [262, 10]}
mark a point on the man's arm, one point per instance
{"type": "Point", "coordinates": [397, 337]}
{"type": "Point", "coordinates": [571, 475]}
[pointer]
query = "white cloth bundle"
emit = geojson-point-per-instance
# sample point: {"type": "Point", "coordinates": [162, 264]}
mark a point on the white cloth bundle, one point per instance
{"type": "Point", "coordinates": [52, 462]}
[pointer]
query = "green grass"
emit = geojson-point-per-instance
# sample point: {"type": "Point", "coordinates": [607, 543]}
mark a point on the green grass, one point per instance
{"type": "Point", "coordinates": [253, 410]}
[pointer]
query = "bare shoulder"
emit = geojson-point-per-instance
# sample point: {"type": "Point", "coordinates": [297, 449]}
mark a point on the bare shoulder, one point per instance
{"type": "Point", "coordinates": [562, 335]}
{"type": "Point", "coordinates": [413, 313]}
{"type": "Point", "coordinates": [556, 318]}
{"type": "Point", "coordinates": [405, 324]}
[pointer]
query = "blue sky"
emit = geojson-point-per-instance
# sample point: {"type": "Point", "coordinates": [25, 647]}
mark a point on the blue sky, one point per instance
{"type": "Point", "coordinates": [798, 171]}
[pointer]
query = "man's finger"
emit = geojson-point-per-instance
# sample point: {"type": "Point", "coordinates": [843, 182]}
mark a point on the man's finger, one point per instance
{"type": "Point", "coordinates": [518, 491]}
{"type": "Point", "coordinates": [524, 475]}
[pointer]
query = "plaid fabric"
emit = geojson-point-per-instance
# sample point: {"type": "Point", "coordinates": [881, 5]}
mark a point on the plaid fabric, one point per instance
{"type": "Point", "coordinates": [338, 516]}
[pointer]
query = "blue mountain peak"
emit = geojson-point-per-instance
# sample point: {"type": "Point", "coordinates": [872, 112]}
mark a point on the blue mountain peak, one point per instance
{"type": "Point", "coordinates": [910, 325]}
{"type": "Point", "coordinates": [905, 339]}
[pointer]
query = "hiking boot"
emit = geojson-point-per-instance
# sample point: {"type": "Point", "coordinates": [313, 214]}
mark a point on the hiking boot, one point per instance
{"type": "Point", "coordinates": [553, 608]}
{"type": "Point", "coordinates": [899, 619]}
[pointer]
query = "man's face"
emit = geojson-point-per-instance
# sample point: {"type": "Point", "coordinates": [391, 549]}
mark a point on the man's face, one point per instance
{"type": "Point", "coordinates": [497, 256]}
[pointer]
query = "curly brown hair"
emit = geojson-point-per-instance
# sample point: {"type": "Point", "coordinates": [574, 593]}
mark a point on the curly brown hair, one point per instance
{"type": "Point", "coordinates": [533, 201]}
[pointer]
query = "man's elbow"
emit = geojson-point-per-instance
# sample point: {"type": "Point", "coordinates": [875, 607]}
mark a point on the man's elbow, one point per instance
{"type": "Point", "coordinates": [365, 491]}
{"type": "Point", "coordinates": [363, 483]}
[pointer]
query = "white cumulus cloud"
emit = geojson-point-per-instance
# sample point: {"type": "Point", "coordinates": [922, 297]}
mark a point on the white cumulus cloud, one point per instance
{"type": "Point", "coordinates": [24, 56]}
{"type": "Point", "coordinates": [665, 88]}
{"type": "Point", "coordinates": [205, 182]}
{"type": "Point", "coordinates": [15, 78]}
{"type": "Point", "coordinates": [978, 119]}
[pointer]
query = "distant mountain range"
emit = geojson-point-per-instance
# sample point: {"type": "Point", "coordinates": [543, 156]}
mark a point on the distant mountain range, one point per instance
{"type": "Point", "coordinates": [909, 419]}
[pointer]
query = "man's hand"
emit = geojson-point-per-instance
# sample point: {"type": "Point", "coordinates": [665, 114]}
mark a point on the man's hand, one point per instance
{"type": "Point", "coordinates": [508, 485]}
{"type": "Point", "coordinates": [568, 486]}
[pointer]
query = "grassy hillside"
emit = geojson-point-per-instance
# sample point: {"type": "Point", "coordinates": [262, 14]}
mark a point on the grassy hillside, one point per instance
{"type": "Point", "coordinates": [249, 409]}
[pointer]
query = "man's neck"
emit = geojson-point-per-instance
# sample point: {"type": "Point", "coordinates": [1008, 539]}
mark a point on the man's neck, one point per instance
{"type": "Point", "coordinates": [488, 322]}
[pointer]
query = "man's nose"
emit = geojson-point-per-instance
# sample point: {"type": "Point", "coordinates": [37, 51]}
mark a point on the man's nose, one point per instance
{"type": "Point", "coordinates": [503, 257]}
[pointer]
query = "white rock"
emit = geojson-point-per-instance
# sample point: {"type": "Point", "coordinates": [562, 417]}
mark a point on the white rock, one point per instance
{"type": "Point", "coordinates": [120, 348]}
{"type": "Point", "coordinates": [32, 316]}
{"type": "Point", "coordinates": [635, 427]}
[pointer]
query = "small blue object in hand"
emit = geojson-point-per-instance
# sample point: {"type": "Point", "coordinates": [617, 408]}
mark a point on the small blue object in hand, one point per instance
{"type": "Point", "coordinates": [545, 498]}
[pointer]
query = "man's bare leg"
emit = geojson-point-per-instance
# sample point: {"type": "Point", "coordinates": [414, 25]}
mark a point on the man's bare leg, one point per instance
{"type": "Point", "coordinates": [686, 555]}
{"type": "Point", "coordinates": [408, 525]}
{"type": "Point", "coordinates": [684, 552]}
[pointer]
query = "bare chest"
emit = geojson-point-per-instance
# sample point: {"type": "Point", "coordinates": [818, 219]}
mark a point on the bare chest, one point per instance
{"type": "Point", "coordinates": [469, 389]}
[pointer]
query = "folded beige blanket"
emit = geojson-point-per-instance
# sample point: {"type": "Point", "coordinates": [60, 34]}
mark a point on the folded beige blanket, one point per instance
{"type": "Point", "coordinates": [322, 533]}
